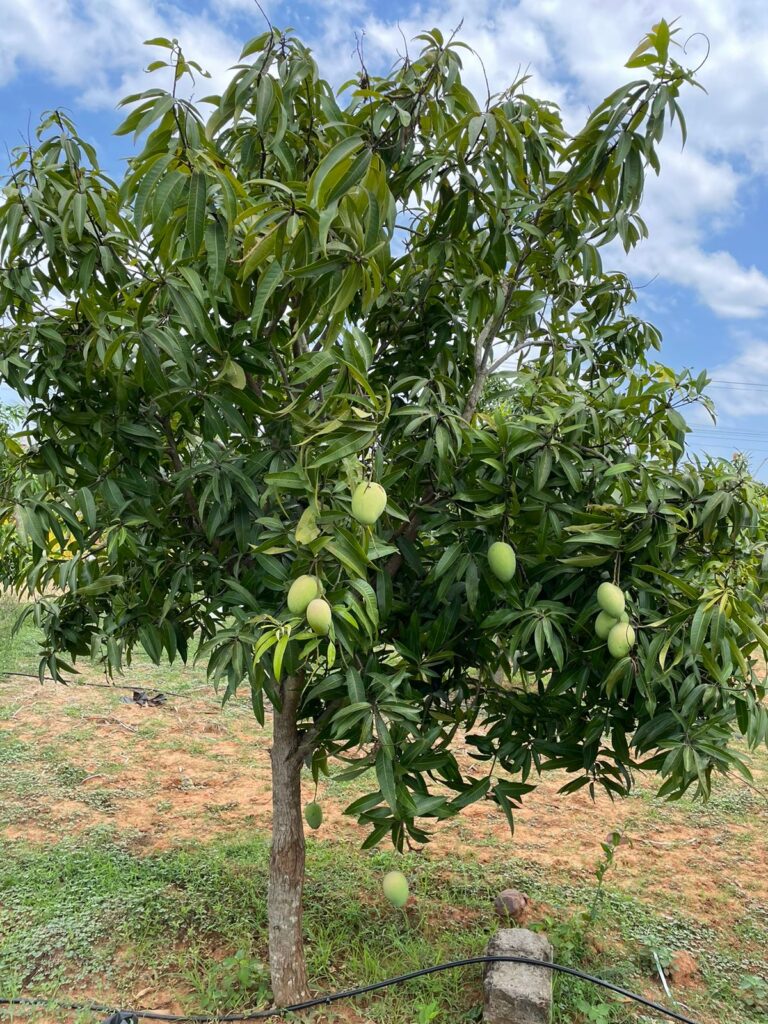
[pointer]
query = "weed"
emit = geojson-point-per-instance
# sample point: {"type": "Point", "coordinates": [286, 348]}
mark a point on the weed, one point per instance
{"type": "Point", "coordinates": [754, 991]}
{"type": "Point", "coordinates": [233, 983]}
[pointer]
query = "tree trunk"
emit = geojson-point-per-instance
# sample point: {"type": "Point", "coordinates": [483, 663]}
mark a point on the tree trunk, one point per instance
{"type": "Point", "coordinates": [286, 863]}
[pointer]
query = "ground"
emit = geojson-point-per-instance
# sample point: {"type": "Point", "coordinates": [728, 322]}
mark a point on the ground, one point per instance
{"type": "Point", "coordinates": [134, 848]}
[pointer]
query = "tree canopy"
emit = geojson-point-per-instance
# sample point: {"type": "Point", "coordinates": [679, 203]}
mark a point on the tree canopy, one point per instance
{"type": "Point", "coordinates": [292, 291]}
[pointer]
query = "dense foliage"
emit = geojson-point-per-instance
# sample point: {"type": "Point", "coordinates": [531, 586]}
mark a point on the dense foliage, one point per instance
{"type": "Point", "coordinates": [292, 293]}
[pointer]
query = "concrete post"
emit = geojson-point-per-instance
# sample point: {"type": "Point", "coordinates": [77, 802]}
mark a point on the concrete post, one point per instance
{"type": "Point", "coordinates": [518, 993]}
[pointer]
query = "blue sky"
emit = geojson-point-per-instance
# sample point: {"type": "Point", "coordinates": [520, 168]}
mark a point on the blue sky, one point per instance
{"type": "Point", "coordinates": [704, 270]}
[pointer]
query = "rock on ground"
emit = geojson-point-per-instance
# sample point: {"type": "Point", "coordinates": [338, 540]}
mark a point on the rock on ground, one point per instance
{"type": "Point", "coordinates": [518, 993]}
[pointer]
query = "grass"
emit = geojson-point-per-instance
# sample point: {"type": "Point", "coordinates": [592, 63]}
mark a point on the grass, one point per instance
{"type": "Point", "coordinates": [193, 919]}
{"type": "Point", "coordinates": [134, 858]}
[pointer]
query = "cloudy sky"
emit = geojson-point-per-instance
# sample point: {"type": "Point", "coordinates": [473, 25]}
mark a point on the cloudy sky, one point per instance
{"type": "Point", "coordinates": [703, 274]}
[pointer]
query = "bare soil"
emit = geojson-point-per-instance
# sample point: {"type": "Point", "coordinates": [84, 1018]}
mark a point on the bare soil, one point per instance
{"type": "Point", "coordinates": [165, 772]}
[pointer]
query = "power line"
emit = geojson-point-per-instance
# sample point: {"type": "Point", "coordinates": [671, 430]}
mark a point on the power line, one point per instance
{"type": "Point", "coordinates": [726, 429]}
{"type": "Point", "coordinates": [742, 438]}
{"type": "Point", "coordinates": [733, 446]}
{"type": "Point", "coordinates": [97, 686]}
{"type": "Point", "coordinates": [735, 438]}
{"type": "Point", "coordinates": [738, 384]}
{"type": "Point", "coordinates": [133, 1016]}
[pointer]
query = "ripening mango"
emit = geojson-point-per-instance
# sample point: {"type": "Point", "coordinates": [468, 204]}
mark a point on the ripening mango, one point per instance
{"type": "Point", "coordinates": [611, 599]}
{"type": "Point", "coordinates": [319, 616]}
{"type": "Point", "coordinates": [368, 502]}
{"type": "Point", "coordinates": [303, 590]}
{"type": "Point", "coordinates": [502, 561]}
{"type": "Point", "coordinates": [604, 623]}
{"type": "Point", "coordinates": [621, 640]}
{"type": "Point", "coordinates": [395, 887]}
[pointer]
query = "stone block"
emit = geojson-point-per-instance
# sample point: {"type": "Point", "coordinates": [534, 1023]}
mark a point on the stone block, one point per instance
{"type": "Point", "coordinates": [518, 993]}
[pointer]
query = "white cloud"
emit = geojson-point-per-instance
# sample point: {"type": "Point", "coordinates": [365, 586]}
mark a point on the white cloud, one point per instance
{"type": "Point", "coordinates": [96, 47]}
{"type": "Point", "coordinates": [718, 280]}
{"type": "Point", "coordinates": [740, 384]}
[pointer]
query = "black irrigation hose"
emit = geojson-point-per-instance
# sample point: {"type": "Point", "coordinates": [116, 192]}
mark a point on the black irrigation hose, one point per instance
{"type": "Point", "coordinates": [119, 1016]}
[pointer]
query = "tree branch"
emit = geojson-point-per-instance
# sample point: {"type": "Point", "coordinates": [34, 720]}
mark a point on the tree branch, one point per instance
{"type": "Point", "coordinates": [178, 467]}
{"type": "Point", "coordinates": [487, 336]}
{"type": "Point", "coordinates": [307, 744]}
{"type": "Point", "coordinates": [409, 531]}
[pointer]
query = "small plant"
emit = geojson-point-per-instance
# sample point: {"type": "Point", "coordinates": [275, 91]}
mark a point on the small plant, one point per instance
{"type": "Point", "coordinates": [427, 1012]}
{"type": "Point", "coordinates": [574, 999]}
{"type": "Point", "coordinates": [609, 847]}
{"type": "Point", "coordinates": [594, 1013]}
{"type": "Point", "coordinates": [229, 984]}
{"type": "Point", "coordinates": [656, 958]}
{"type": "Point", "coordinates": [753, 991]}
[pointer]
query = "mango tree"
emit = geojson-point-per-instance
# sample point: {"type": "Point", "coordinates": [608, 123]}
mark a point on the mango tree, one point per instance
{"type": "Point", "coordinates": [265, 354]}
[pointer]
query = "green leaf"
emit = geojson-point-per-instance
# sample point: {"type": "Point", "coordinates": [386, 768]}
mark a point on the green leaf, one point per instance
{"type": "Point", "coordinates": [471, 583]}
{"type": "Point", "coordinates": [216, 252]}
{"type": "Point", "coordinates": [341, 449]}
{"type": "Point", "coordinates": [682, 585]}
{"type": "Point", "coordinates": [699, 626]}
{"type": "Point", "coordinates": [474, 792]}
{"type": "Point", "coordinates": [196, 211]}
{"type": "Point", "coordinates": [279, 654]}
{"type": "Point", "coordinates": [385, 774]}
{"type": "Point", "coordinates": [618, 672]}
{"type": "Point", "coordinates": [619, 468]}
{"type": "Point", "coordinates": [100, 586]}
{"type": "Point", "coordinates": [147, 184]}
{"type": "Point", "coordinates": [586, 560]}
{"type": "Point", "coordinates": [307, 529]}
{"type": "Point", "coordinates": [79, 211]}
{"type": "Point", "coordinates": [446, 560]}
{"type": "Point", "coordinates": [268, 282]}
{"type": "Point", "coordinates": [340, 152]}
{"type": "Point", "coordinates": [151, 641]}
{"type": "Point", "coordinates": [610, 540]}
{"type": "Point", "coordinates": [368, 595]}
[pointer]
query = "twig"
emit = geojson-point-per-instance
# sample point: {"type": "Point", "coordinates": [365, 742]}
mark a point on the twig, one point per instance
{"type": "Point", "coordinates": [112, 721]}
{"type": "Point", "coordinates": [23, 707]}
{"type": "Point", "coordinates": [669, 845]}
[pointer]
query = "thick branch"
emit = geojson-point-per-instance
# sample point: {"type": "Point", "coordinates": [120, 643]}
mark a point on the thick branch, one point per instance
{"type": "Point", "coordinates": [178, 466]}
{"type": "Point", "coordinates": [290, 695]}
{"type": "Point", "coordinates": [409, 531]}
{"type": "Point", "coordinates": [309, 738]}
{"type": "Point", "coordinates": [486, 338]}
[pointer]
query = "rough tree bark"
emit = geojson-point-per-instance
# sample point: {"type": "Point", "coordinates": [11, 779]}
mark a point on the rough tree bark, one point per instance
{"type": "Point", "coordinates": [286, 863]}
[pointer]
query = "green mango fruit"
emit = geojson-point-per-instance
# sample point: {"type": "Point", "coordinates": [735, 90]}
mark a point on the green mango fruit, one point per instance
{"type": "Point", "coordinates": [303, 590]}
{"type": "Point", "coordinates": [621, 640]}
{"type": "Point", "coordinates": [395, 887]}
{"type": "Point", "coordinates": [319, 616]}
{"type": "Point", "coordinates": [368, 503]}
{"type": "Point", "coordinates": [604, 623]}
{"type": "Point", "coordinates": [313, 814]}
{"type": "Point", "coordinates": [502, 561]}
{"type": "Point", "coordinates": [611, 599]}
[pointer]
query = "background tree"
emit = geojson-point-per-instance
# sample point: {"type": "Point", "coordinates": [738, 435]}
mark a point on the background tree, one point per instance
{"type": "Point", "coordinates": [291, 295]}
{"type": "Point", "coordinates": [12, 553]}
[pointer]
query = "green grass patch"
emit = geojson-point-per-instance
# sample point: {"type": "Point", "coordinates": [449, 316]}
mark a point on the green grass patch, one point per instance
{"type": "Point", "coordinates": [96, 914]}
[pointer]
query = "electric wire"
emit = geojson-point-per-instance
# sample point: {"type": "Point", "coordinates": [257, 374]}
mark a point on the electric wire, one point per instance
{"type": "Point", "coordinates": [749, 385]}
{"type": "Point", "coordinates": [98, 686]}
